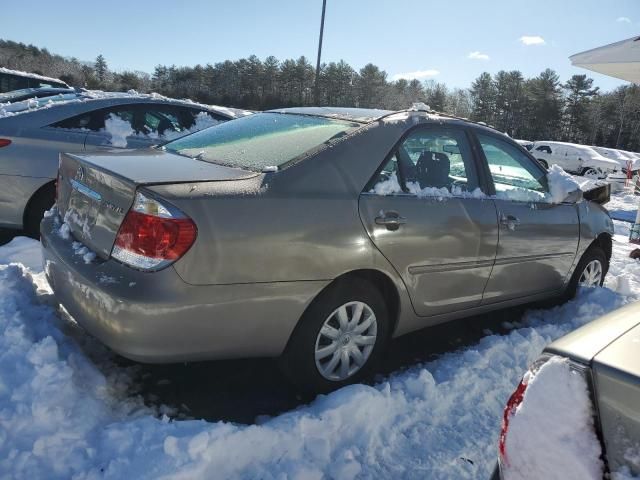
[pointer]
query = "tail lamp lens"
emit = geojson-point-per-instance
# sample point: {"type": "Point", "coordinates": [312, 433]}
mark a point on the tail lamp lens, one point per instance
{"type": "Point", "coordinates": [153, 235]}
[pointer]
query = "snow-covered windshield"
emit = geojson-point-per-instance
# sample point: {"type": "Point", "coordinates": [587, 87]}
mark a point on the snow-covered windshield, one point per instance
{"type": "Point", "coordinates": [262, 140]}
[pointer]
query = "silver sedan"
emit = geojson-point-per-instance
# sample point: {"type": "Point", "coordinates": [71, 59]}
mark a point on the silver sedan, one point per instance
{"type": "Point", "coordinates": [34, 132]}
{"type": "Point", "coordinates": [603, 358]}
{"type": "Point", "coordinates": [312, 234]}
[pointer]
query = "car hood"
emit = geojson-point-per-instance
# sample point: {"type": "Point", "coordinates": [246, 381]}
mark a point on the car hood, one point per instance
{"type": "Point", "coordinates": [590, 340]}
{"type": "Point", "coordinates": [600, 161]}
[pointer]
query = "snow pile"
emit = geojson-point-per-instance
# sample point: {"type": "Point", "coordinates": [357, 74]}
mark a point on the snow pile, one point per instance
{"type": "Point", "coordinates": [63, 230]}
{"type": "Point", "coordinates": [60, 417]}
{"type": "Point", "coordinates": [551, 433]}
{"type": "Point", "coordinates": [561, 184]}
{"type": "Point", "coordinates": [119, 130]}
{"type": "Point", "coordinates": [519, 194]}
{"type": "Point", "coordinates": [22, 250]}
{"type": "Point", "coordinates": [81, 250]}
{"type": "Point", "coordinates": [623, 206]}
{"type": "Point", "coordinates": [391, 186]}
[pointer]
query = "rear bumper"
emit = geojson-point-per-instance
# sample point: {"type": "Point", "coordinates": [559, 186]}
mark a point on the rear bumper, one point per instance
{"type": "Point", "coordinates": [158, 318]}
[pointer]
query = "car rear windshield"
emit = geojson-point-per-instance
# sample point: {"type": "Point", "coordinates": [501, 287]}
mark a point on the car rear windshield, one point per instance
{"type": "Point", "coordinates": [260, 141]}
{"type": "Point", "coordinates": [36, 103]}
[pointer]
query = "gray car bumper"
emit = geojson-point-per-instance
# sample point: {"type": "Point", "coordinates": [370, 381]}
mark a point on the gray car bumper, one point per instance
{"type": "Point", "coordinates": [157, 317]}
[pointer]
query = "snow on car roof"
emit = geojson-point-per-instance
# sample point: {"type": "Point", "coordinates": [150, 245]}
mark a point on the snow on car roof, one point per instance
{"type": "Point", "coordinates": [25, 106]}
{"type": "Point", "coordinates": [566, 144]}
{"type": "Point", "coordinates": [361, 115]}
{"type": "Point", "coordinates": [30, 75]}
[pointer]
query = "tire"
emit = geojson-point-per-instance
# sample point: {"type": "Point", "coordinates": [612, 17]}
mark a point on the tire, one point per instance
{"type": "Point", "coordinates": [299, 359]}
{"type": "Point", "coordinates": [590, 172]}
{"type": "Point", "coordinates": [544, 163]}
{"type": "Point", "coordinates": [593, 253]}
{"type": "Point", "coordinates": [42, 201]}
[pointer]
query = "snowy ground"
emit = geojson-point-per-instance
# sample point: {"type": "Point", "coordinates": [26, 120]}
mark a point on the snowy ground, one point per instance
{"type": "Point", "coordinates": [68, 409]}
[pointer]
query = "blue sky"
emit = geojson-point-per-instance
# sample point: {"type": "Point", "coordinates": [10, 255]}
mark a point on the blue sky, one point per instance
{"type": "Point", "coordinates": [425, 38]}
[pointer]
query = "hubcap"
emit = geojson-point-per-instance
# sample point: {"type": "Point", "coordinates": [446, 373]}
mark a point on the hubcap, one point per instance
{"type": "Point", "coordinates": [592, 173]}
{"type": "Point", "coordinates": [345, 341]}
{"type": "Point", "coordinates": [591, 275]}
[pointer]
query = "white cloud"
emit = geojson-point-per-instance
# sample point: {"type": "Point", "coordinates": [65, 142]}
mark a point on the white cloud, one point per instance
{"type": "Point", "coordinates": [623, 20]}
{"type": "Point", "coordinates": [419, 75]}
{"type": "Point", "coordinates": [478, 56]}
{"type": "Point", "coordinates": [532, 40]}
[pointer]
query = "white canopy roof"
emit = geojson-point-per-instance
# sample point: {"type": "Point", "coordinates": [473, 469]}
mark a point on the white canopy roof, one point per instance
{"type": "Point", "coordinates": [620, 60]}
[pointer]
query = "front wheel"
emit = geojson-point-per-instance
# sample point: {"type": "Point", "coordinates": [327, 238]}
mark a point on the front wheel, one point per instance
{"type": "Point", "coordinates": [590, 272]}
{"type": "Point", "coordinates": [544, 163]}
{"type": "Point", "coordinates": [590, 172]}
{"type": "Point", "coordinates": [339, 338]}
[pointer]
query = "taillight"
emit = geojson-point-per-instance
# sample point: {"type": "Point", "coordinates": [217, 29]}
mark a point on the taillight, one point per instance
{"type": "Point", "coordinates": [514, 402]}
{"type": "Point", "coordinates": [4, 142]}
{"type": "Point", "coordinates": [153, 235]}
{"type": "Point", "coordinates": [548, 428]}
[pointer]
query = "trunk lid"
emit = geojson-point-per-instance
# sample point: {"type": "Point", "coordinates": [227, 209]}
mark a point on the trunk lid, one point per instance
{"type": "Point", "coordinates": [95, 191]}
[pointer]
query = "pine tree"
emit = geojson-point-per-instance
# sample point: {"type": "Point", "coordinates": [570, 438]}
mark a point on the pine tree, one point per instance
{"type": "Point", "coordinates": [580, 92]}
{"type": "Point", "coordinates": [101, 69]}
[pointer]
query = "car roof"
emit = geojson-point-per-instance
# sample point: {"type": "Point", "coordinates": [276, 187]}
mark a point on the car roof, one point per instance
{"type": "Point", "coordinates": [360, 115]}
{"type": "Point", "coordinates": [68, 104]}
{"type": "Point", "coordinates": [563, 144]}
{"type": "Point", "coordinates": [369, 115]}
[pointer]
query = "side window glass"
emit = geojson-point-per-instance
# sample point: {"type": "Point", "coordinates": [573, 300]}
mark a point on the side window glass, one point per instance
{"type": "Point", "coordinates": [430, 162]}
{"type": "Point", "coordinates": [514, 174]}
{"type": "Point", "coordinates": [169, 122]}
{"type": "Point", "coordinates": [117, 124]}
{"type": "Point", "coordinates": [544, 148]}
{"type": "Point", "coordinates": [79, 122]}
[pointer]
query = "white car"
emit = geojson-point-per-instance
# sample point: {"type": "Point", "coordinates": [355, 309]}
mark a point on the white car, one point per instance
{"type": "Point", "coordinates": [574, 158]}
{"type": "Point", "coordinates": [525, 143]}
{"type": "Point", "coordinates": [623, 158]}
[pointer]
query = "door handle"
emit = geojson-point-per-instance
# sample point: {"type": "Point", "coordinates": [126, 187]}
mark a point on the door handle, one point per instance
{"type": "Point", "coordinates": [509, 221]}
{"type": "Point", "coordinates": [392, 220]}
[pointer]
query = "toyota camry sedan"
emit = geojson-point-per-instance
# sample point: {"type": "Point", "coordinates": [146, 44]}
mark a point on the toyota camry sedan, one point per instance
{"type": "Point", "coordinates": [314, 235]}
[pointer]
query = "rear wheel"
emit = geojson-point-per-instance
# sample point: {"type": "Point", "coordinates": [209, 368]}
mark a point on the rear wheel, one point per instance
{"type": "Point", "coordinates": [42, 201]}
{"type": "Point", "coordinates": [590, 272]}
{"type": "Point", "coordinates": [339, 338]}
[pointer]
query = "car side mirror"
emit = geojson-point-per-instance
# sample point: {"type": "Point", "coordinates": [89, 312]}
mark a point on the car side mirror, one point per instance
{"type": "Point", "coordinates": [573, 197]}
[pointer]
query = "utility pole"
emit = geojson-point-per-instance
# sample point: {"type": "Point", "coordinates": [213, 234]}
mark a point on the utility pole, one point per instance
{"type": "Point", "coordinates": [317, 83]}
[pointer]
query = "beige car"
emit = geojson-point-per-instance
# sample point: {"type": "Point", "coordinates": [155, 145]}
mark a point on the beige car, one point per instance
{"type": "Point", "coordinates": [311, 234]}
